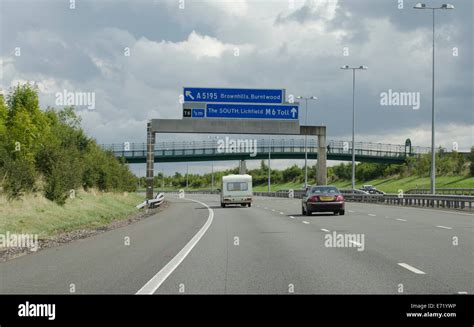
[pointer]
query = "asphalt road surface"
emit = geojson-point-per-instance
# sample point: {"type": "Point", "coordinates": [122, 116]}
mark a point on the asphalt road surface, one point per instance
{"type": "Point", "coordinates": [197, 247]}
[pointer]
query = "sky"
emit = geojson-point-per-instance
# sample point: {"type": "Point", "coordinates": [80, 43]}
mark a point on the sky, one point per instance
{"type": "Point", "coordinates": [135, 57]}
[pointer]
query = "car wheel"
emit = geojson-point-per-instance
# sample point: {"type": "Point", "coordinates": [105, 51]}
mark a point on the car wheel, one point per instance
{"type": "Point", "coordinates": [335, 213]}
{"type": "Point", "coordinates": [308, 212]}
{"type": "Point", "coordinates": [222, 205]}
{"type": "Point", "coordinates": [303, 212]}
{"type": "Point", "coordinates": [250, 204]}
{"type": "Point", "coordinates": [342, 212]}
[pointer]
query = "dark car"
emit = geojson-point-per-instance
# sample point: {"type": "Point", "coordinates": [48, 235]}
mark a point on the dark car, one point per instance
{"type": "Point", "coordinates": [371, 189]}
{"type": "Point", "coordinates": [323, 199]}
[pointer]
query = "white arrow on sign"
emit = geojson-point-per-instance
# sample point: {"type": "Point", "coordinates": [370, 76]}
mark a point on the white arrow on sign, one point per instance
{"type": "Point", "coordinates": [293, 112]}
{"type": "Point", "coordinates": [189, 95]}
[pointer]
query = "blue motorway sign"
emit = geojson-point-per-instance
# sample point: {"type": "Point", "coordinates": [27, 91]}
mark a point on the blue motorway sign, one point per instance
{"type": "Point", "coordinates": [255, 111]}
{"type": "Point", "coordinates": [215, 95]}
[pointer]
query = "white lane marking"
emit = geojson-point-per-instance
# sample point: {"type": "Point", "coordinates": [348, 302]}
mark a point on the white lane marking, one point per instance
{"type": "Point", "coordinates": [351, 211]}
{"type": "Point", "coordinates": [355, 243]}
{"type": "Point", "coordinates": [273, 210]}
{"type": "Point", "coordinates": [325, 230]}
{"type": "Point", "coordinates": [292, 217]}
{"type": "Point", "coordinates": [412, 269]}
{"type": "Point", "coordinates": [155, 282]}
{"type": "Point", "coordinates": [266, 208]}
{"type": "Point", "coordinates": [462, 292]}
{"type": "Point", "coordinates": [305, 222]}
{"type": "Point", "coordinates": [445, 227]}
{"type": "Point", "coordinates": [435, 210]}
{"type": "Point", "coordinates": [282, 213]}
{"type": "Point", "coordinates": [371, 214]}
{"type": "Point", "coordinates": [399, 219]}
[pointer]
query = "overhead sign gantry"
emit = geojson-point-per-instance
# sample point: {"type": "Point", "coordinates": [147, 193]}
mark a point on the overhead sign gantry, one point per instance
{"type": "Point", "coordinates": [235, 111]}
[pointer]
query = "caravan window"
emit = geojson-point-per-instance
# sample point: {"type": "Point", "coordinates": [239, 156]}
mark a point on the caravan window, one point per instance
{"type": "Point", "coordinates": [237, 186]}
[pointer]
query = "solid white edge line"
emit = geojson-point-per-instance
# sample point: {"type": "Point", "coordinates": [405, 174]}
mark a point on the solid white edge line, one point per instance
{"type": "Point", "coordinates": [445, 227]}
{"type": "Point", "coordinates": [155, 282]}
{"type": "Point", "coordinates": [412, 269]}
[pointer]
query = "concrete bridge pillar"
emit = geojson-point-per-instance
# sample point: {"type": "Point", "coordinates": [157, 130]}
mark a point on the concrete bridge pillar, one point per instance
{"type": "Point", "coordinates": [242, 167]}
{"type": "Point", "coordinates": [150, 161]}
{"type": "Point", "coordinates": [321, 166]}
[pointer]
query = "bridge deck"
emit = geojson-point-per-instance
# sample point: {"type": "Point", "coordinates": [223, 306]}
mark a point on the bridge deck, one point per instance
{"type": "Point", "coordinates": [217, 150]}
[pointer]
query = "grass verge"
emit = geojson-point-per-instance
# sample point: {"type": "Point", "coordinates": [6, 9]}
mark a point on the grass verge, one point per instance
{"type": "Point", "coordinates": [34, 214]}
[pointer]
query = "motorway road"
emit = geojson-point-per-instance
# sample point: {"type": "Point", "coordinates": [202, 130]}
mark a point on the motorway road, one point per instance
{"type": "Point", "coordinates": [198, 247]}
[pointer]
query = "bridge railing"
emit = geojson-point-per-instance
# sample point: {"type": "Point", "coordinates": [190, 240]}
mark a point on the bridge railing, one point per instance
{"type": "Point", "coordinates": [265, 146]}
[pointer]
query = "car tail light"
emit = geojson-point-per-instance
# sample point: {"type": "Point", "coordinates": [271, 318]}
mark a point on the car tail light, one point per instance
{"type": "Point", "coordinates": [314, 198]}
{"type": "Point", "coordinates": [339, 198]}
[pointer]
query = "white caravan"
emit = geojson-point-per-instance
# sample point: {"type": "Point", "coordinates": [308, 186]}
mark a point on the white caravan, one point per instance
{"type": "Point", "coordinates": [236, 189]}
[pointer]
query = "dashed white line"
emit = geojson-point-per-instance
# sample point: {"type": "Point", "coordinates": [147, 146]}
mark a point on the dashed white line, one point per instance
{"type": "Point", "coordinates": [462, 292]}
{"type": "Point", "coordinates": [411, 268]}
{"type": "Point", "coordinates": [292, 217]}
{"type": "Point", "coordinates": [400, 219]}
{"type": "Point", "coordinates": [305, 222]}
{"type": "Point", "coordinates": [325, 230]}
{"type": "Point", "coordinates": [351, 211]}
{"type": "Point", "coordinates": [445, 227]}
{"type": "Point", "coordinates": [266, 208]}
{"type": "Point", "coordinates": [282, 213]}
{"type": "Point", "coordinates": [273, 210]}
{"type": "Point", "coordinates": [371, 214]}
{"type": "Point", "coordinates": [155, 282]}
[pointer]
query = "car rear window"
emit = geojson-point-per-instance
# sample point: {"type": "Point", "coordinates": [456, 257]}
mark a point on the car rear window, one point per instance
{"type": "Point", "coordinates": [325, 190]}
{"type": "Point", "coordinates": [237, 186]}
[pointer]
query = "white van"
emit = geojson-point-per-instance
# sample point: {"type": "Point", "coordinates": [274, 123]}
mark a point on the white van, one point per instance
{"type": "Point", "coordinates": [236, 189]}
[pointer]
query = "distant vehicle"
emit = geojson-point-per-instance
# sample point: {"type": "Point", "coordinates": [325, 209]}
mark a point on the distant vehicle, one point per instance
{"type": "Point", "coordinates": [371, 189]}
{"type": "Point", "coordinates": [323, 199]}
{"type": "Point", "coordinates": [236, 189]}
{"type": "Point", "coordinates": [351, 191]}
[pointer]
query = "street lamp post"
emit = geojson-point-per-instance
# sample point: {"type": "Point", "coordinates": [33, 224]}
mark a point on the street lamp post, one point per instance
{"type": "Point", "coordinates": [433, 154]}
{"type": "Point", "coordinates": [305, 138]}
{"type": "Point", "coordinates": [353, 117]}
